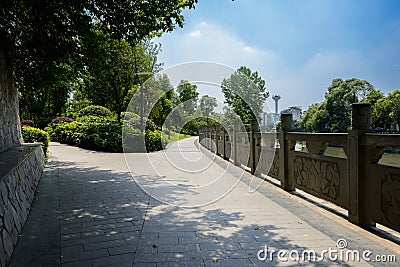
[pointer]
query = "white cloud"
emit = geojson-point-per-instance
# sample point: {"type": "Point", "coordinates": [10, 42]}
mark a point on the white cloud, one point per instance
{"type": "Point", "coordinates": [195, 33]}
{"type": "Point", "coordinates": [248, 49]}
{"type": "Point", "coordinates": [299, 85]}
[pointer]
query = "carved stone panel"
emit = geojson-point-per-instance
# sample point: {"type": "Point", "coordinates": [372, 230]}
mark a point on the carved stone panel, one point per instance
{"type": "Point", "coordinates": [274, 170]}
{"type": "Point", "coordinates": [317, 175]}
{"type": "Point", "coordinates": [390, 196]}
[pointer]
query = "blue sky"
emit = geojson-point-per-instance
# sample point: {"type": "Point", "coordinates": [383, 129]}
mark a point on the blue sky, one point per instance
{"type": "Point", "coordinates": [298, 46]}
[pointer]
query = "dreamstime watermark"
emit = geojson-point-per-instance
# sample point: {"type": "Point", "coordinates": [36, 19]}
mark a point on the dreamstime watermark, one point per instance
{"type": "Point", "coordinates": [340, 253]}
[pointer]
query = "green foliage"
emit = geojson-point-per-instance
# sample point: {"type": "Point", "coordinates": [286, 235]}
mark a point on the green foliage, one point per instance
{"type": "Point", "coordinates": [245, 93]}
{"type": "Point", "coordinates": [45, 43]}
{"type": "Point", "coordinates": [166, 98]}
{"type": "Point", "coordinates": [95, 110]}
{"type": "Point", "coordinates": [61, 119]}
{"type": "Point", "coordinates": [188, 96]}
{"type": "Point", "coordinates": [334, 113]}
{"type": "Point", "coordinates": [207, 105]}
{"type": "Point", "coordinates": [191, 127]}
{"type": "Point", "coordinates": [315, 119]}
{"type": "Point", "coordinates": [32, 135]}
{"type": "Point", "coordinates": [110, 84]}
{"type": "Point", "coordinates": [102, 133]}
{"type": "Point", "coordinates": [91, 132]}
{"type": "Point", "coordinates": [387, 110]}
{"type": "Point", "coordinates": [155, 140]}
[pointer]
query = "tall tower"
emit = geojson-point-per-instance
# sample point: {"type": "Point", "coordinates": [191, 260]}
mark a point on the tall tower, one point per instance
{"type": "Point", "coordinates": [276, 99]}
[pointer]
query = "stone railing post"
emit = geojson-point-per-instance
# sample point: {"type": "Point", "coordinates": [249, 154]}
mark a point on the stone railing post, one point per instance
{"type": "Point", "coordinates": [287, 179]}
{"type": "Point", "coordinates": [360, 123]}
{"type": "Point", "coordinates": [208, 135]}
{"type": "Point", "coordinates": [254, 127]}
{"type": "Point", "coordinates": [200, 134]}
{"type": "Point", "coordinates": [216, 134]}
{"type": "Point", "coordinates": [223, 133]}
{"type": "Point", "coordinates": [236, 127]}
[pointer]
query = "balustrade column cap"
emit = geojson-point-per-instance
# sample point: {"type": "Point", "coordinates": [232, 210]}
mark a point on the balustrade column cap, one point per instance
{"type": "Point", "coordinates": [286, 122]}
{"type": "Point", "coordinates": [254, 126]}
{"type": "Point", "coordinates": [361, 116]}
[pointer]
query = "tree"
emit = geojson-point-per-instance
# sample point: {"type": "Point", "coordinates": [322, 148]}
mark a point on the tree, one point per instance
{"type": "Point", "coordinates": [372, 98]}
{"type": "Point", "coordinates": [37, 38]}
{"type": "Point", "coordinates": [165, 104]}
{"type": "Point", "coordinates": [315, 119]}
{"type": "Point", "coordinates": [245, 93]}
{"type": "Point", "coordinates": [112, 68]}
{"type": "Point", "coordinates": [207, 105]}
{"type": "Point", "coordinates": [387, 110]}
{"type": "Point", "coordinates": [188, 96]}
{"type": "Point", "coordinates": [334, 113]}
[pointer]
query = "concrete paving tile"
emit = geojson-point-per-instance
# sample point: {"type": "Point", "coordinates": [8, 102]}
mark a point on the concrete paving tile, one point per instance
{"type": "Point", "coordinates": [220, 246]}
{"type": "Point", "coordinates": [183, 263]}
{"type": "Point", "coordinates": [177, 248]}
{"type": "Point", "coordinates": [157, 257]}
{"type": "Point", "coordinates": [83, 263]}
{"type": "Point", "coordinates": [107, 244]}
{"type": "Point", "coordinates": [123, 260]}
{"type": "Point", "coordinates": [198, 240]}
{"type": "Point", "coordinates": [92, 254]}
{"type": "Point", "coordinates": [228, 262]}
{"type": "Point", "coordinates": [121, 250]}
{"type": "Point", "coordinates": [256, 262]}
{"type": "Point", "coordinates": [143, 249]}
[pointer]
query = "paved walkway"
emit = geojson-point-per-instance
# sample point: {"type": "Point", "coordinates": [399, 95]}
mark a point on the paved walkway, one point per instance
{"type": "Point", "coordinates": [89, 211]}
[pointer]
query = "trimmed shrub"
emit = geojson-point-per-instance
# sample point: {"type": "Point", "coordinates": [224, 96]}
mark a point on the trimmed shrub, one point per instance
{"type": "Point", "coordinates": [61, 119]}
{"type": "Point", "coordinates": [155, 140]}
{"type": "Point", "coordinates": [91, 132]}
{"type": "Point", "coordinates": [105, 134]}
{"type": "Point", "coordinates": [129, 115]}
{"type": "Point", "coordinates": [94, 110]}
{"type": "Point", "coordinates": [100, 133]}
{"type": "Point", "coordinates": [28, 123]}
{"type": "Point", "coordinates": [32, 135]}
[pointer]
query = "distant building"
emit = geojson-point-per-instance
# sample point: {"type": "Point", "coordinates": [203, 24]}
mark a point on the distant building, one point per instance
{"type": "Point", "coordinates": [295, 111]}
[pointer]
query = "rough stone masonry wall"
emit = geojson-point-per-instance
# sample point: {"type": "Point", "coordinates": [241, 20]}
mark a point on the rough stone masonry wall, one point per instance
{"type": "Point", "coordinates": [17, 190]}
{"type": "Point", "coordinates": [10, 130]}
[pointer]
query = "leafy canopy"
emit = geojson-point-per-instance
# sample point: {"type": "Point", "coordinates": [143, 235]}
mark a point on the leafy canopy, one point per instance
{"type": "Point", "coordinates": [245, 93]}
{"type": "Point", "coordinates": [188, 96]}
{"type": "Point", "coordinates": [44, 40]}
{"type": "Point", "coordinates": [207, 105]}
{"type": "Point", "coordinates": [334, 113]}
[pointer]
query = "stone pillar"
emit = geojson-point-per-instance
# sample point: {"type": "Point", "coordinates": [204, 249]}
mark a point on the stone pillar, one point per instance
{"type": "Point", "coordinates": [209, 140]}
{"type": "Point", "coordinates": [236, 127]}
{"type": "Point", "coordinates": [361, 119]}
{"type": "Point", "coordinates": [254, 127]}
{"type": "Point", "coordinates": [287, 179]}
{"type": "Point", "coordinates": [223, 133]}
{"type": "Point", "coordinates": [216, 135]}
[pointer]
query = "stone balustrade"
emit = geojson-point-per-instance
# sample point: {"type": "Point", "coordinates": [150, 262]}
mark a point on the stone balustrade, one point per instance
{"type": "Point", "coordinates": [370, 191]}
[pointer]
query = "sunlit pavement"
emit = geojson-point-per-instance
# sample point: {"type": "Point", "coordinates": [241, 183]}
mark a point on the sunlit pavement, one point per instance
{"type": "Point", "coordinates": [91, 211]}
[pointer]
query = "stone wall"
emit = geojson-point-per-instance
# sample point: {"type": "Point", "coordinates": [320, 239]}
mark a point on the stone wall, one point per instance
{"type": "Point", "coordinates": [20, 171]}
{"type": "Point", "coordinates": [10, 130]}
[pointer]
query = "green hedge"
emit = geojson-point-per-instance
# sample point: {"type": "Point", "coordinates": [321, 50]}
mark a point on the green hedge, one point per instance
{"type": "Point", "coordinates": [91, 132]}
{"type": "Point", "coordinates": [104, 134]}
{"type": "Point", "coordinates": [95, 111]}
{"type": "Point", "coordinates": [32, 135]}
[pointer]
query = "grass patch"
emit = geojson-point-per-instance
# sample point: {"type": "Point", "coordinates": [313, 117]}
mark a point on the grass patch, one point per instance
{"type": "Point", "coordinates": [174, 136]}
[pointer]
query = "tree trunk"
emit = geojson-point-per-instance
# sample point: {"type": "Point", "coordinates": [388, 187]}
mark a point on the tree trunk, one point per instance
{"type": "Point", "coordinates": [10, 129]}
